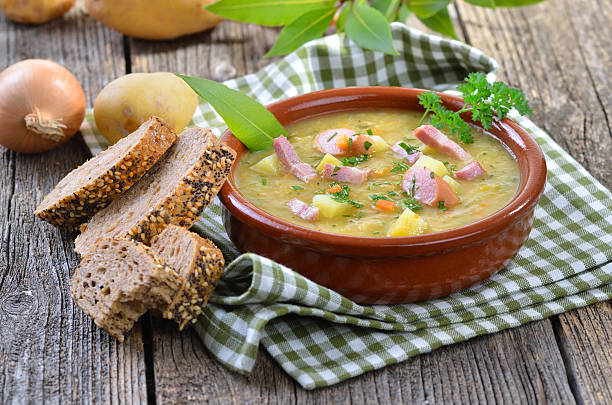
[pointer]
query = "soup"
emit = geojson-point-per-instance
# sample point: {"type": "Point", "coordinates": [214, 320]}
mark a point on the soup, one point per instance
{"type": "Point", "coordinates": [369, 173]}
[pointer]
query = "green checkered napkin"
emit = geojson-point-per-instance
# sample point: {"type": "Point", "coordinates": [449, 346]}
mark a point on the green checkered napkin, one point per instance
{"type": "Point", "coordinates": [321, 338]}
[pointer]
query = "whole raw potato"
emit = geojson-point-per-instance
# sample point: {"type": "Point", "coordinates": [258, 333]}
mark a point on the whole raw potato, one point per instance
{"type": "Point", "coordinates": [154, 19]}
{"type": "Point", "coordinates": [130, 100]}
{"type": "Point", "coordinates": [34, 11]}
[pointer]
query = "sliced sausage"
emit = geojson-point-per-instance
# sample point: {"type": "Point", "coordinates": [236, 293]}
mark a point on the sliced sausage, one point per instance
{"type": "Point", "coordinates": [470, 172]}
{"type": "Point", "coordinates": [336, 142]}
{"type": "Point", "coordinates": [431, 136]}
{"type": "Point", "coordinates": [345, 174]}
{"type": "Point", "coordinates": [427, 187]}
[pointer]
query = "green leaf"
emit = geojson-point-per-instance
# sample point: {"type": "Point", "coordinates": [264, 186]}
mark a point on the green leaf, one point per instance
{"type": "Point", "coordinates": [440, 22]}
{"type": "Point", "coordinates": [310, 25]}
{"type": "Point", "coordinates": [250, 121]}
{"type": "Point", "coordinates": [403, 13]}
{"type": "Point", "coordinates": [515, 3]}
{"type": "Point", "coordinates": [341, 21]}
{"type": "Point", "coordinates": [426, 8]}
{"type": "Point", "coordinates": [266, 12]}
{"type": "Point", "coordinates": [386, 7]}
{"type": "Point", "coordinates": [482, 3]}
{"type": "Point", "coordinates": [370, 29]}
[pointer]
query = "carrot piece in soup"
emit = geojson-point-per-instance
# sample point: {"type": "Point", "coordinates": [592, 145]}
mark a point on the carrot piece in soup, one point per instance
{"type": "Point", "coordinates": [342, 141]}
{"type": "Point", "coordinates": [334, 189]}
{"type": "Point", "coordinates": [385, 205]}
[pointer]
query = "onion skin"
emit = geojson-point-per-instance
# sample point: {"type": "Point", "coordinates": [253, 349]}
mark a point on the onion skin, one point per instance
{"type": "Point", "coordinates": [42, 105]}
{"type": "Point", "coordinates": [34, 11]}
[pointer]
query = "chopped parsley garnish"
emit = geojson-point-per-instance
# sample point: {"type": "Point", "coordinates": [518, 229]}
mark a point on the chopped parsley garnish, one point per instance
{"type": "Point", "coordinates": [264, 181]}
{"type": "Point", "coordinates": [412, 186]}
{"type": "Point", "coordinates": [342, 196]}
{"type": "Point", "coordinates": [369, 131]}
{"type": "Point", "coordinates": [336, 168]}
{"type": "Point", "coordinates": [410, 149]}
{"type": "Point", "coordinates": [350, 142]}
{"type": "Point", "coordinates": [432, 175]}
{"type": "Point", "coordinates": [359, 215]}
{"type": "Point", "coordinates": [376, 197]}
{"type": "Point", "coordinates": [441, 206]}
{"type": "Point", "coordinates": [392, 193]}
{"type": "Point", "coordinates": [354, 160]}
{"type": "Point", "coordinates": [367, 145]}
{"type": "Point", "coordinates": [332, 136]}
{"type": "Point", "coordinates": [297, 188]}
{"type": "Point", "coordinates": [452, 168]}
{"type": "Point", "coordinates": [399, 167]}
{"type": "Point", "coordinates": [411, 203]}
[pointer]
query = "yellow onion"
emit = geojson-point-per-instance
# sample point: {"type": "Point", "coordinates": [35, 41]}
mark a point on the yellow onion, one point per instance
{"type": "Point", "coordinates": [42, 105]}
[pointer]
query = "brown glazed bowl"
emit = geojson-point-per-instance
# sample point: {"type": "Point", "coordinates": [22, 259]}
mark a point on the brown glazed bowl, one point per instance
{"type": "Point", "coordinates": [389, 270]}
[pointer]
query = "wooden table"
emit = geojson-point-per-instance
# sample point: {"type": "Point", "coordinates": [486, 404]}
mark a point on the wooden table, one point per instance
{"type": "Point", "coordinates": [558, 52]}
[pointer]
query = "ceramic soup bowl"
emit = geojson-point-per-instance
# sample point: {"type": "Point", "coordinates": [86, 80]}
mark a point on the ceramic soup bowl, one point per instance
{"type": "Point", "coordinates": [372, 270]}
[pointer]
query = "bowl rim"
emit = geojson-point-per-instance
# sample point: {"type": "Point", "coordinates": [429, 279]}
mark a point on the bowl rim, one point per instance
{"type": "Point", "coordinates": [527, 196]}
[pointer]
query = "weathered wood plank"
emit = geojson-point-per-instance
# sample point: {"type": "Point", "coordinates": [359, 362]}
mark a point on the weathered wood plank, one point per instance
{"type": "Point", "coordinates": [559, 53]}
{"type": "Point", "coordinates": [562, 60]}
{"type": "Point", "coordinates": [49, 350]}
{"type": "Point", "coordinates": [229, 50]}
{"type": "Point", "coordinates": [515, 366]}
{"type": "Point", "coordinates": [500, 368]}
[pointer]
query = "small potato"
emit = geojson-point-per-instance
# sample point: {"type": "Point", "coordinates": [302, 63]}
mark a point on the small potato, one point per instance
{"type": "Point", "coordinates": [267, 166]}
{"type": "Point", "coordinates": [130, 100]}
{"type": "Point", "coordinates": [34, 11]}
{"type": "Point", "coordinates": [154, 19]}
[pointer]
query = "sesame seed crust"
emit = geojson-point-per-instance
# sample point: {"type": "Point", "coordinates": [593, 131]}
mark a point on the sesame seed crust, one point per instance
{"type": "Point", "coordinates": [199, 281]}
{"type": "Point", "coordinates": [120, 281]}
{"type": "Point", "coordinates": [194, 191]}
{"type": "Point", "coordinates": [67, 206]}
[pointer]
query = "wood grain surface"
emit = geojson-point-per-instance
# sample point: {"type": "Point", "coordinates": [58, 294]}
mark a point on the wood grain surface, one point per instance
{"type": "Point", "coordinates": [51, 352]}
{"type": "Point", "coordinates": [560, 54]}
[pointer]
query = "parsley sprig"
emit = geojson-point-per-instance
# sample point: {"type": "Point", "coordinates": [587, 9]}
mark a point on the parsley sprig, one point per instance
{"type": "Point", "coordinates": [483, 99]}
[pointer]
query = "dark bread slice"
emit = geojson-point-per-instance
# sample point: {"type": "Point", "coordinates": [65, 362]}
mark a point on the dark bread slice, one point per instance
{"type": "Point", "coordinates": [93, 185]}
{"type": "Point", "coordinates": [175, 191]}
{"type": "Point", "coordinates": [199, 263]}
{"type": "Point", "coordinates": [120, 281]}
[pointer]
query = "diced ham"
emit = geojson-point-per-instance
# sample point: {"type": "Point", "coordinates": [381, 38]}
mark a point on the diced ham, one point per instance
{"type": "Point", "coordinates": [470, 172]}
{"type": "Point", "coordinates": [431, 136]}
{"type": "Point", "coordinates": [304, 172]}
{"type": "Point", "coordinates": [401, 152]}
{"type": "Point", "coordinates": [427, 187]}
{"type": "Point", "coordinates": [303, 210]}
{"type": "Point", "coordinates": [327, 142]}
{"type": "Point", "coordinates": [345, 174]}
{"type": "Point", "coordinates": [290, 159]}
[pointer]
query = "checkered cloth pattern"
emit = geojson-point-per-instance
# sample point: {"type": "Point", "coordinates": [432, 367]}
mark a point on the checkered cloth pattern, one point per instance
{"type": "Point", "coordinates": [321, 338]}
